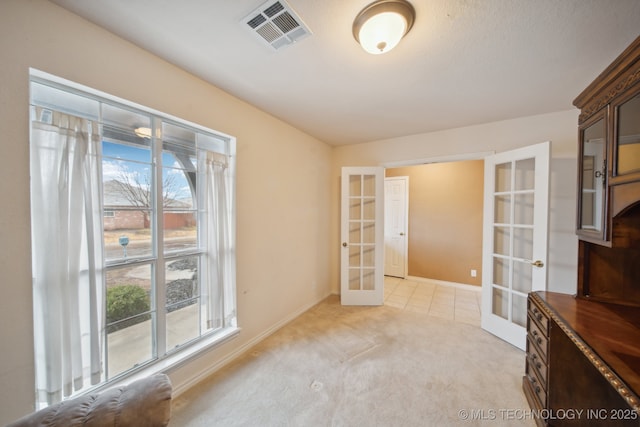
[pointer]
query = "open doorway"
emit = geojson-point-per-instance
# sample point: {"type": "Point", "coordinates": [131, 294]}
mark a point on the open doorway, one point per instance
{"type": "Point", "coordinates": [444, 237]}
{"type": "Point", "coordinates": [514, 197]}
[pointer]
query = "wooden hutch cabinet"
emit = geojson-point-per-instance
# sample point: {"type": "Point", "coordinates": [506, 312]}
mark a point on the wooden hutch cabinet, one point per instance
{"type": "Point", "coordinates": [583, 351]}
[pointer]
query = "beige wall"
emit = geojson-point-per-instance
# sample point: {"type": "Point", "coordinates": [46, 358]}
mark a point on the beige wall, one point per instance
{"type": "Point", "coordinates": [287, 182]}
{"type": "Point", "coordinates": [473, 142]}
{"type": "Point", "coordinates": [283, 183]}
{"type": "Point", "coordinates": [445, 220]}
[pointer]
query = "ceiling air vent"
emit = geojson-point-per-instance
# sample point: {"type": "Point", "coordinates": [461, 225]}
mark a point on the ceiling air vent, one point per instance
{"type": "Point", "coordinates": [276, 24]}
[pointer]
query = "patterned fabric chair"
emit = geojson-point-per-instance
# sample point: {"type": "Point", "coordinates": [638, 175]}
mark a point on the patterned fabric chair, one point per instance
{"type": "Point", "coordinates": [143, 403]}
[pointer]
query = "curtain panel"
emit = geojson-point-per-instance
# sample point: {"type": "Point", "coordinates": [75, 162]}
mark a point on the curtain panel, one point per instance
{"type": "Point", "coordinates": [220, 286]}
{"type": "Point", "coordinates": [67, 254]}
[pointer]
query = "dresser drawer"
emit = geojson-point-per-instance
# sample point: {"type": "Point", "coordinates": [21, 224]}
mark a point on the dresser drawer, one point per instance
{"type": "Point", "coordinates": [535, 390]}
{"type": "Point", "coordinates": [540, 338]}
{"type": "Point", "coordinates": [535, 313]}
{"type": "Point", "coordinates": [535, 382]}
{"type": "Point", "coordinates": [537, 363]}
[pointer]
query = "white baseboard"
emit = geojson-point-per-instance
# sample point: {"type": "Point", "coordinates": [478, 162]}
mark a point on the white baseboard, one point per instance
{"type": "Point", "coordinates": [186, 385]}
{"type": "Point", "coordinates": [464, 286]}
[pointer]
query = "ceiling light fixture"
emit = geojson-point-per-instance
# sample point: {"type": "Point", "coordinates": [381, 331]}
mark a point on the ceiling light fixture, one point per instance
{"type": "Point", "coordinates": [143, 132]}
{"type": "Point", "coordinates": [380, 26]}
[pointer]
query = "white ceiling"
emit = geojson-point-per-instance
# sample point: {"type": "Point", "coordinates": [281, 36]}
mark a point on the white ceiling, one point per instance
{"type": "Point", "coordinates": [464, 62]}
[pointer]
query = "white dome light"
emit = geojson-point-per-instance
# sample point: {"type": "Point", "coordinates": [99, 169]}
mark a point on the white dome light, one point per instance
{"type": "Point", "coordinates": [380, 26]}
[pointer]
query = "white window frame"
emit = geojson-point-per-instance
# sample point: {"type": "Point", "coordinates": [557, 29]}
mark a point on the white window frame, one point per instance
{"type": "Point", "coordinates": [164, 358]}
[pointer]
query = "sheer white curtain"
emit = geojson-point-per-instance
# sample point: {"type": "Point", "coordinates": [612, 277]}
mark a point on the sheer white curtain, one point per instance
{"type": "Point", "coordinates": [67, 254]}
{"type": "Point", "coordinates": [219, 297]}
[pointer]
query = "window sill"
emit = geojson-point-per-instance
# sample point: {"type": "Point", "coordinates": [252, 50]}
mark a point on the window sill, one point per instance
{"type": "Point", "coordinates": [173, 360]}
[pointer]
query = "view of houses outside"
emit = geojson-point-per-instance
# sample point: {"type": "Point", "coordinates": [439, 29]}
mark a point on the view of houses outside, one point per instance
{"type": "Point", "coordinates": [127, 219]}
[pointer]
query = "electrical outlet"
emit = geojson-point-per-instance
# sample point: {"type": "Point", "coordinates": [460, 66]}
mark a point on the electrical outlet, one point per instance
{"type": "Point", "coordinates": [474, 273]}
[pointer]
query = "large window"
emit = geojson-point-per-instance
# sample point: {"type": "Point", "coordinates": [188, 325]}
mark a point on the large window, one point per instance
{"type": "Point", "coordinates": [132, 234]}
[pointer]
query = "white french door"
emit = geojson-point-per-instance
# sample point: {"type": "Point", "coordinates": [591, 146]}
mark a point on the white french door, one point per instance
{"type": "Point", "coordinates": [396, 211]}
{"type": "Point", "coordinates": [516, 199]}
{"type": "Point", "coordinates": [362, 233]}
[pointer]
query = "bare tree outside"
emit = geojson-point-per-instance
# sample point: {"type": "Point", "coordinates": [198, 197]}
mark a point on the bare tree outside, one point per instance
{"type": "Point", "coordinates": [138, 192]}
{"type": "Point", "coordinates": [129, 196]}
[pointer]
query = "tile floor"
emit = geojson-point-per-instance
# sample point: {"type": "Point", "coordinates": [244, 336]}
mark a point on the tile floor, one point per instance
{"type": "Point", "coordinates": [430, 298]}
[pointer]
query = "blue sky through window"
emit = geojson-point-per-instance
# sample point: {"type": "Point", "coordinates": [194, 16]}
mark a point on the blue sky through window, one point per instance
{"type": "Point", "coordinates": [124, 162]}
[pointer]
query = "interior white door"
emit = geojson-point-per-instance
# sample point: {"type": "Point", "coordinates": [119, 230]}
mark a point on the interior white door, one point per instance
{"type": "Point", "coordinates": [396, 210]}
{"type": "Point", "coordinates": [362, 231]}
{"type": "Point", "coordinates": [516, 200]}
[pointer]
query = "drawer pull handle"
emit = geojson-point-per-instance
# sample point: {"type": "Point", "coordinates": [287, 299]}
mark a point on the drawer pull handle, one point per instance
{"type": "Point", "coordinates": [537, 314]}
{"type": "Point", "coordinates": [533, 383]}
{"type": "Point", "coordinates": [533, 358]}
{"type": "Point", "coordinates": [535, 335]}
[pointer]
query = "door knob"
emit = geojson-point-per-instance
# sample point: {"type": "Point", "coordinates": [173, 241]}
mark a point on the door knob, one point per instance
{"type": "Point", "coordinates": [402, 234]}
{"type": "Point", "coordinates": [344, 244]}
{"type": "Point", "coordinates": [538, 263]}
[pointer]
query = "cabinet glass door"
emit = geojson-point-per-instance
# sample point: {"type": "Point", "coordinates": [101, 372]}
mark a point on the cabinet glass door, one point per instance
{"type": "Point", "coordinates": [628, 136]}
{"type": "Point", "coordinates": [593, 173]}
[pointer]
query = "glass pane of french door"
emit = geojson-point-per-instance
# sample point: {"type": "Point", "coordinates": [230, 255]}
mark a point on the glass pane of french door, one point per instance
{"type": "Point", "coordinates": [362, 225]}
{"type": "Point", "coordinates": [362, 228]}
{"type": "Point", "coordinates": [515, 238]}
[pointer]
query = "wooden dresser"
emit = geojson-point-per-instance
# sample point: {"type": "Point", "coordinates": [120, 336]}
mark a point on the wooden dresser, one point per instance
{"type": "Point", "coordinates": [583, 351]}
{"type": "Point", "coordinates": [583, 361]}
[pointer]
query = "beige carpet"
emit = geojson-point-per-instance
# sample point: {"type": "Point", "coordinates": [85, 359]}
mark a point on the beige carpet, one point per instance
{"type": "Point", "coordinates": [364, 366]}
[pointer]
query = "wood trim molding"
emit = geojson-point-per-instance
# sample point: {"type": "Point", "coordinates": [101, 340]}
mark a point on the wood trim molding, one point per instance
{"type": "Point", "coordinates": [623, 73]}
{"type": "Point", "coordinates": [605, 98]}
